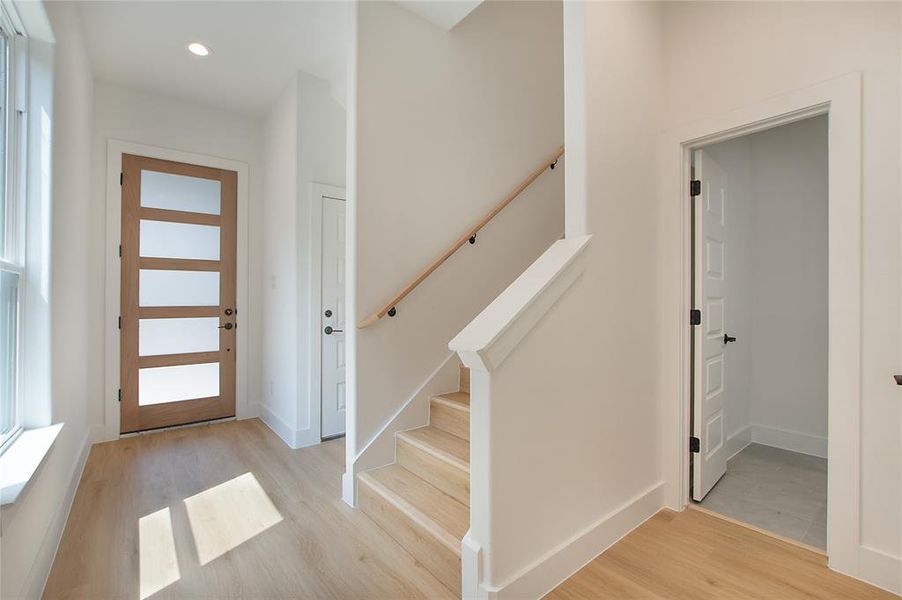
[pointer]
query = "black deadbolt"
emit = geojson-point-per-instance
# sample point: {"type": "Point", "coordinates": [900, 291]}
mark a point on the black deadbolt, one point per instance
{"type": "Point", "coordinates": [228, 312]}
{"type": "Point", "coordinates": [328, 313]}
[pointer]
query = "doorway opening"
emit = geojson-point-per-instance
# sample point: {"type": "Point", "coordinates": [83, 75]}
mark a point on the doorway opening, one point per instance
{"type": "Point", "coordinates": [178, 293]}
{"type": "Point", "coordinates": [759, 364]}
{"type": "Point", "coordinates": [328, 347]}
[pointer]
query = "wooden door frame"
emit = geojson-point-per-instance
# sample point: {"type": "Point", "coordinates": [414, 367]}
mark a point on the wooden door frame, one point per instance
{"type": "Point", "coordinates": [109, 430]}
{"type": "Point", "coordinates": [840, 99]}
{"type": "Point", "coordinates": [315, 285]}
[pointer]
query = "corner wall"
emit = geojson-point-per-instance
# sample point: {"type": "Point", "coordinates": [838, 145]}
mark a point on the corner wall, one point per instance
{"type": "Point", "coordinates": [446, 125]}
{"type": "Point", "coordinates": [33, 525]}
{"type": "Point", "coordinates": [565, 429]}
{"type": "Point", "coordinates": [304, 137]}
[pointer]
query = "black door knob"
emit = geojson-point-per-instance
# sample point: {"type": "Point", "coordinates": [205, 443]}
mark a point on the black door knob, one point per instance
{"type": "Point", "coordinates": [330, 331]}
{"type": "Point", "coordinates": [728, 338]}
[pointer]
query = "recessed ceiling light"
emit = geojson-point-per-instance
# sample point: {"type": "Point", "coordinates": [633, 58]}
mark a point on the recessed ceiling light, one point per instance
{"type": "Point", "coordinates": [198, 49]}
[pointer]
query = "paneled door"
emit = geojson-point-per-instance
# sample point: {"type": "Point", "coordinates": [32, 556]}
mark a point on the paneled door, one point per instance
{"type": "Point", "coordinates": [178, 289]}
{"type": "Point", "coordinates": [333, 321]}
{"type": "Point", "coordinates": [710, 340]}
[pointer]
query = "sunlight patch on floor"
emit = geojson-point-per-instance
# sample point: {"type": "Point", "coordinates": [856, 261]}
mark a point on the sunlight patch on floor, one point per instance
{"type": "Point", "coordinates": [158, 562]}
{"type": "Point", "coordinates": [229, 514]}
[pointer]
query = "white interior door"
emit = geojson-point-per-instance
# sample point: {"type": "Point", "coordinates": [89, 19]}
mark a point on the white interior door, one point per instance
{"type": "Point", "coordinates": [710, 337]}
{"type": "Point", "coordinates": [333, 318]}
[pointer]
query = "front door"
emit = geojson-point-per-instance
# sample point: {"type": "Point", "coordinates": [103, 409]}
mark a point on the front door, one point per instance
{"type": "Point", "coordinates": [178, 289]}
{"type": "Point", "coordinates": [333, 318]}
{"type": "Point", "coordinates": [710, 297]}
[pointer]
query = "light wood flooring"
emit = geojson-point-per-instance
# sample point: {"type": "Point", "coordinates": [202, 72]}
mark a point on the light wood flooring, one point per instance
{"type": "Point", "coordinates": [302, 540]}
{"type": "Point", "coordinates": [228, 511]}
{"type": "Point", "coordinates": [696, 555]}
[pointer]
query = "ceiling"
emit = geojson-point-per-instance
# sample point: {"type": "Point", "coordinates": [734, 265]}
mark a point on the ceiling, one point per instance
{"type": "Point", "coordinates": [257, 47]}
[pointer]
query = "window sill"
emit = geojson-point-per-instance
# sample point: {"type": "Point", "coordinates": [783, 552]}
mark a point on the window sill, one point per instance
{"type": "Point", "coordinates": [21, 460]}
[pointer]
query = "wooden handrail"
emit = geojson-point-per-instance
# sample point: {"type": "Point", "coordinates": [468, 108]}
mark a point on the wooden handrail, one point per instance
{"type": "Point", "coordinates": [389, 307]}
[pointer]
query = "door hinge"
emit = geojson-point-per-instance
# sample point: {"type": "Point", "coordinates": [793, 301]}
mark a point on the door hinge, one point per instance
{"type": "Point", "coordinates": [120, 178]}
{"type": "Point", "coordinates": [695, 317]}
{"type": "Point", "coordinates": [119, 395]}
{"type": "Point", "coordinates": [120, 250]}
{"type": "Point", "coordinates": [694, 444]}
{"type": "Point", "coordinates": [695, 187]}
{"type": "Point", "coordinates": [120, 322]}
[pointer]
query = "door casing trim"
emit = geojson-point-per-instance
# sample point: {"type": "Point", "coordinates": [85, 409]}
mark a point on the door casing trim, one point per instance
{"type": "Point", "coordinates": [840, 99]}
{"type": "Point", "coordinates": [115, 149]}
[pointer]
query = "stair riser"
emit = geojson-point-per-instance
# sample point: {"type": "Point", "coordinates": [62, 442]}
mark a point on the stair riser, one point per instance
{"type": "Point", "coordinates": [446, 476]}
{"type": "Point", "coordinates": [453, 420]}
{"type": "Point", "coordinates": [419, 541]}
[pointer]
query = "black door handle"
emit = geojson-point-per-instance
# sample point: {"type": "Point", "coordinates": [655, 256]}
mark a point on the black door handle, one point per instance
{"type": "Point", "coordinates": [898, 379]}
{"type": "Point", "coordinates": [330, 331]}
{"type": "Point", "coordinates": [227, 326]}
{"type": "Point", "coordinates": [728, 338]}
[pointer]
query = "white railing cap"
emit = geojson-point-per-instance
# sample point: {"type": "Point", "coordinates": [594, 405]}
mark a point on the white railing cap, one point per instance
{"type": "Point", "coordinates": [495, 332]}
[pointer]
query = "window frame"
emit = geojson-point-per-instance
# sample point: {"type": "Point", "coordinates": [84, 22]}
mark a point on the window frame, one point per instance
{"type": "Point", "coordinates": [13, 252]}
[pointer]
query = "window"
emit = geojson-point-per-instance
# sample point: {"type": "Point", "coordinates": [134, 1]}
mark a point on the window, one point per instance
{"type": "Point", "coordinates": [12, 221]}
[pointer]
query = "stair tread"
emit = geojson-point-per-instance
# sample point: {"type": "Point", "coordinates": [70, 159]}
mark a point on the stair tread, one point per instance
{"type": "Point", "coordinates": [457, 399]}
{"type": "Point", "coordinates": [422, 501]}
{"type": "Point", "coordinates": [436, 441]}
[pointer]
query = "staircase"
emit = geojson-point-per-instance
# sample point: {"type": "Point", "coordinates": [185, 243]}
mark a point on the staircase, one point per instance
{"type": "Point", "coordinates": [423, 499]}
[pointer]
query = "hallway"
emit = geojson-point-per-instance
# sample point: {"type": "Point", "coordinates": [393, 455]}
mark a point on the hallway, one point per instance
{"type": "Point", "coordinates": [279, 528]}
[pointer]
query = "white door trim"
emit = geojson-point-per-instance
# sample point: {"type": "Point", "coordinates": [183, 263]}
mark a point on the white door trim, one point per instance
{"type": "Point", "coordinates": [840, 99]}
{"type": "Point", "coordinates": [115, 149]}
{"type": "Point", "coordinates": [317, 192]}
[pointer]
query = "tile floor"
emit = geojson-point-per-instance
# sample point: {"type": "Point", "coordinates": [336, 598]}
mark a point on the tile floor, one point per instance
{"type": "Point", "coordinates": [778, 490]}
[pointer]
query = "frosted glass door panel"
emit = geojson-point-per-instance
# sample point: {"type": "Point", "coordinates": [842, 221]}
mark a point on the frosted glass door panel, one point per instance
{"type": "Point", "coordinates": [180, 192]}
{"type": "Point", "coordinates": [177, 336]}
{"type": "Point", "coordinates": [178, 288]}
{"type": "Point", "coordinates": [162, 239]}
{"type": "Point", "coordinates": [174, 384]}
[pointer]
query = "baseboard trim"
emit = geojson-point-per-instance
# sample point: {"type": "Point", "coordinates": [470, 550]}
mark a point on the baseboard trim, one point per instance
{"type": "Point", "coordinates": [294, 438]}
{"type": "Point", "coordinates": [348, 489]}
{"type": "Point", "coordinates": [538, 579]}
{"type": "Point", "coordinates": [40, 571]}
{"type": "Point", "coordinates": [880, 569]}
{"type": "Point", "coordinates": [795, 441]}
{"type": "Point", "coordinates": [737, 441]}
{"type": "Point", "coordinates": [380, 449]}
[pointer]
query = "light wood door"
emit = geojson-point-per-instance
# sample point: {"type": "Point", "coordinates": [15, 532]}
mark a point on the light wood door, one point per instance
{"type": "Point", "coordinates": [711, 297]}
{"type": "Point", "coordinates": [178, 290]}
{"type": "Point", "coordinates": [333, 320]}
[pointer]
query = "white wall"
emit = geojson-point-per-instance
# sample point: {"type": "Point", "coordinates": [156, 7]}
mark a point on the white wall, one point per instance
{"type": "Point", "coordinates": [304, 143]}
{"type": "Point", "coordinates": [33, 525]}
{"type": "Point", "coordinates": [447, 124]}
{"type": "Point", "coordinates": [322, 125]}
{"type": "Point", "coordinates": [607, 354]}
{"type": "Point", "coordinates": [136, 116]}
{"type": "Point", "coordinates": [758, 50]}
{"type": "Point", "coordinates": [565, 428]}
{"type": "Point", "coordinates": [777, 265]}
{"type": "Point", "coordinates": [280, 318]}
